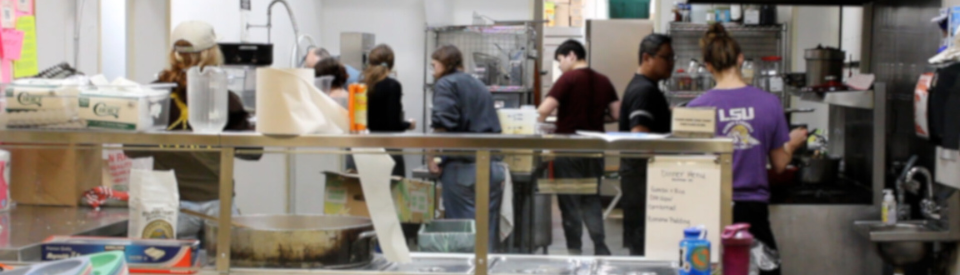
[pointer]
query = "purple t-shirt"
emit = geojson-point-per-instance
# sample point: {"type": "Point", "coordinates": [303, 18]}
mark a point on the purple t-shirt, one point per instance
{"type": "Point", "coordinates": [754, 119]}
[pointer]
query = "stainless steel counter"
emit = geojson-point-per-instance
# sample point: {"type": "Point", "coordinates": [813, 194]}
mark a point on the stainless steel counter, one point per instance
{"type": "Point", "coordinates": [25, 227]}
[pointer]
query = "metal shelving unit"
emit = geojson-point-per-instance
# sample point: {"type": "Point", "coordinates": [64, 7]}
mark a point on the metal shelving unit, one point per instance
{"type": "Point", "coordinates": [500, 56]}
{"type": "Point", "coordinates": [482, 146]}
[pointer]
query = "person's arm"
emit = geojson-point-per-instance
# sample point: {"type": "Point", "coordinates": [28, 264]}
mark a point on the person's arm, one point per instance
{"type": "Point", "coordinates": [445, 113]}
{"type": "Point", "coordinates": [614, 111]}
{"type": "Point", "coordinates": [783, 143]}
{"type": "Point", "coordinates": [546, 108]}
{"type": "Point", "coordinates": [640, 113]}
{"type": "Point", "coordinates": [395, 107]}
{"type": "Point", "coordinates": [431, 156]}
{"type": "Point", "coordinates": [552, 102]}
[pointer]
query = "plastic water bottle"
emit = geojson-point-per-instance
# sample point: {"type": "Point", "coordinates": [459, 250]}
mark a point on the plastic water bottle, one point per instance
{"type": "Point", "coordinates": [207, 99]}
{"type": "Point", "coordinates": [695, 252]}
{"type": "Point", "coordinates": [737, 241]}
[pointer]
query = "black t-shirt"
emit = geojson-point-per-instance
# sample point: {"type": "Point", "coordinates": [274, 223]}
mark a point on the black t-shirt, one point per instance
{"type": "Point", "coordinates": [385, 107]}
{"type": "Point", "coordinates": [645, 105]}
{"type": "Point", "coordinates": [584, 96]}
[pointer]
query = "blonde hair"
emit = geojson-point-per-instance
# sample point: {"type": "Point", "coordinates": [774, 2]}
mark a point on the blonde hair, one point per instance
{"type": "Point", "coordinates": [181, 61]}
{"type": "Point", "coordinates": [379, 66]}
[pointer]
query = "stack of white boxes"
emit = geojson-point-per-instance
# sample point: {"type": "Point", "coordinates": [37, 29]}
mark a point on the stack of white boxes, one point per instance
{"type": "Point", "coordinates": [521, 121]}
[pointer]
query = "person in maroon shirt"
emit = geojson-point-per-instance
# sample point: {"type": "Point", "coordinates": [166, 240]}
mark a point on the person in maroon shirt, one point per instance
{"type": "Point", "coordinates": [584, 99]}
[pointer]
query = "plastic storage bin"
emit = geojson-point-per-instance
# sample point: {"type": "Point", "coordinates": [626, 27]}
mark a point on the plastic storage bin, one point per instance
{"type": "Point", "coordinates": [448, 236]}
{"type": "Point", "coordinates": [41, 103]}
{"type": "Point", "coordinates": [126, 108]}
{"type": "Point", "coordinates": [635, 9]}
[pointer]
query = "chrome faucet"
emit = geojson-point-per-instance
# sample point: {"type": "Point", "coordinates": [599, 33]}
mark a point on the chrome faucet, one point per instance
{"type": "Point", "coordinates": [269, 26]}
{"type": "Point", "coordinates": [928, 206]}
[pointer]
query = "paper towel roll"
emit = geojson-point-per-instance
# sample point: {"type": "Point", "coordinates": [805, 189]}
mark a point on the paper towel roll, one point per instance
{"type": "Point", "coordinates": [289, 104]}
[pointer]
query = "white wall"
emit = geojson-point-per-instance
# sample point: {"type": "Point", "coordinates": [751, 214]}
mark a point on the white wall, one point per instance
{"type": "Point", "coordinates": [55, 29]}
{"type": "Point", "coordinates": [147, 39]}
{"type": "Point", "coordinates": [113, 38]}
{"type": "Point", "coordinates": [224, 15]}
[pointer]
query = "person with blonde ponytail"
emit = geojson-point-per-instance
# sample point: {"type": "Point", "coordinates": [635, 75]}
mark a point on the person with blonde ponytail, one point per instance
{"type": "Point", "coordinates": [753, 119]}
{"type": "Point", "coordinates": [385, 99]}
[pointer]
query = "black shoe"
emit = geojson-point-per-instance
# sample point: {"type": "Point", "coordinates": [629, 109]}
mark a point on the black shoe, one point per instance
{"type": "Point", "coordinates": [602, 250]}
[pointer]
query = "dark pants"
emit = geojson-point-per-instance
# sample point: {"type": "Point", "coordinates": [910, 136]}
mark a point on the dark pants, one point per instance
{"type": "Point", "coordinates": [579, 209]}
{"type": "Point", "coordinates": [633, 186]}
{"type": "Point", "coordinates": [757, 214]}
{"type": "Point", "coordinates": [459, 194]}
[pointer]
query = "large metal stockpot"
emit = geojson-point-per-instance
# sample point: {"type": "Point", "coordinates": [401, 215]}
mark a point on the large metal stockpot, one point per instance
{"type": "Point", "coordinates": [297, 241]}
{"type": "Point", "coordinates": [823, 62]}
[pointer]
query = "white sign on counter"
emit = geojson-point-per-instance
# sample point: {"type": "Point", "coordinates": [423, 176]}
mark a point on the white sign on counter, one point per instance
{"type": "Point", "coordinates": [681, 192]}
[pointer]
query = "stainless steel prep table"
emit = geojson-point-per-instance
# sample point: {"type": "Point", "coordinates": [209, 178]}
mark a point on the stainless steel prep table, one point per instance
{"type": "Point", "coordinates": [229, 144]}
{"type": "Point", "coordinates": [26, 227]}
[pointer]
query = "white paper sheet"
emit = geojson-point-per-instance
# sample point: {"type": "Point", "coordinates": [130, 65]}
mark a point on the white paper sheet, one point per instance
{"type": "Point", "coordinates": [681, 192]}
{"type": "Point", "coordinates": [289, 104]}
{"type": "Point", "coordinates": [506, 204]}
{"type": "Point", "coordinates": [375, 173]}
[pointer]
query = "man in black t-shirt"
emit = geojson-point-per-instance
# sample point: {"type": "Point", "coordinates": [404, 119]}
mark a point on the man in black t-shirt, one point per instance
{"type": "Point", "coordinates": [584, 99]}
{"type": "Point", "coordinates": [644, 110]}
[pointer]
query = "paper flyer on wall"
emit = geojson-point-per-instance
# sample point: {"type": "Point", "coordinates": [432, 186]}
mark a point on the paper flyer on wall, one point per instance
{"type": "Point", "coordinates": [682, 192]}
{"type": "Point", "coordinates": [11, 44]}
{"type": "Point", "coordinates": [27, 64]}
{"type": "Point", "coordinates": [25, 7]}
{"type": "Point", "coordinates": [375, 168]}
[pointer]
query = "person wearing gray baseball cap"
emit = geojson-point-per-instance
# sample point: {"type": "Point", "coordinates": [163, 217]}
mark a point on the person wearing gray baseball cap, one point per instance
{"type": "Point", "coordinates": [194, 43]}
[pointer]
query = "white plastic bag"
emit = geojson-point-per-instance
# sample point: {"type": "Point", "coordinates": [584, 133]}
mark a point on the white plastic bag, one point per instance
{"type": "Point", "coordinates": [154, 204]}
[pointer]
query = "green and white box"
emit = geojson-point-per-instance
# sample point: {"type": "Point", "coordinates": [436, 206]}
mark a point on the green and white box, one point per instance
{"type": "Point", "coordinates": [117, 109]}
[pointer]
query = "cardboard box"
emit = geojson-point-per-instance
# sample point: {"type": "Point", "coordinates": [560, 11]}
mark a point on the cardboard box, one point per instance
{"type": "Point", "coordinates": [143, 256]}
{"type": "Point", "coordinates": [549, 13]}
{"type": "Point", "coordinates": [56, 177]}
{"type": "Point", "coordinates": [577, 22]}
{"type": "Point", "coordinates": [415, 200]}
{"type": "Point", "coordinates": [562, 15]}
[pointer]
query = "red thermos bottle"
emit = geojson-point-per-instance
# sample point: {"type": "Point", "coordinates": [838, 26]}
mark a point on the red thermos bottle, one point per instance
{"type": "Point", "coordinates": [737, 241]}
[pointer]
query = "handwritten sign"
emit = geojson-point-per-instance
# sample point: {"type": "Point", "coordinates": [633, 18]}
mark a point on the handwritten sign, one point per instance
{"type": "Point", "coordinates": [11, 42]}
{"type": "Point", "coordinates": [27, 64]}
{"type": "Point", "coordinates": [681, 192]}
{"type": "Point", "coordinates": [694, 122]}
{"type": "Point", "coordinates": [25, 6]}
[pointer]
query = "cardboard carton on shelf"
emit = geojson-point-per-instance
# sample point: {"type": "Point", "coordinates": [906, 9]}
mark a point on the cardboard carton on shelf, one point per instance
{"type": "Point", "coordinates": [54, 177]}
{"type": "Point", "coordinates": [415, 200]}
{"type": "Point", "coordinates": [577, 22]}
{"type": "Point", "coordinates": [562, 15]}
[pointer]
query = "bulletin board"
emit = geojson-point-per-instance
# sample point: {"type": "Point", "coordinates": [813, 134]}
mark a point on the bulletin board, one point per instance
{"type": "Point", "coordinates": [18, 39]}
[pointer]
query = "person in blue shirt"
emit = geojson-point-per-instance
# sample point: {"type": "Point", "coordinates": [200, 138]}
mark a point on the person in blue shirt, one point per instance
{"type": "Point", "coordinates": [315, 54]}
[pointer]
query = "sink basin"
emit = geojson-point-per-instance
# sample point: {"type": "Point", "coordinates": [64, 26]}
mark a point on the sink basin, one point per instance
{"type": "Point", "coordinates": [903, 243]}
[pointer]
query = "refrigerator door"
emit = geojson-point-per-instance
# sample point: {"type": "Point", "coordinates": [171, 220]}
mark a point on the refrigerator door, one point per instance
{"type": "Point", "coordinates": [613, 46]}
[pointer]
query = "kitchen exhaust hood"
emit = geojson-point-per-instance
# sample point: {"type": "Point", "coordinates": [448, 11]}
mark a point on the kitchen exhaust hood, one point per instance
{"type": "Point", "coordinates": [786, 2]}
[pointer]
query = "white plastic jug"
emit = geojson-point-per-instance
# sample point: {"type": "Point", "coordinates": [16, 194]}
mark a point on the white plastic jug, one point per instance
{"type": "Point", "coordinates": [207, 99]}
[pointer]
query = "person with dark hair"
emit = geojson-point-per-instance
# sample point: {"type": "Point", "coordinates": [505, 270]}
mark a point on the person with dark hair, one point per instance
{"type": "Point", "coordinates": [331, 67]}
{"type": "Point", "coordinates": [463, 104]}
{"type": "Point", "coordinates": [583, 99]}
{"type": "Point", "coordinates": [754, 119]}
{"type": "Point", "coordinates": [645, 110]}
{"type": "Point", "coordinates": [316, 54]}
{"type": "Point", "coordinates": [384, 100]}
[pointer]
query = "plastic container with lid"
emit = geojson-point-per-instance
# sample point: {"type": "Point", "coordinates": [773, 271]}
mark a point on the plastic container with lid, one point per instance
{"type": "Point", "coordinates": [695, 252]}
{"type": "Point", "coordinates": [682, 81]}
{"type": "Point", "coordinates": [770, 77]}
{"type": "Point", "coordinates": [737, 241]}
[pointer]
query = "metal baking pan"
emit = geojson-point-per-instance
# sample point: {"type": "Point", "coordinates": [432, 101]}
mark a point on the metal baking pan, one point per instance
{"type": "Point", "coordinates": [623, 267]}
{"type": "Point", "coordinates": [507, 265]}
{"type": "Point", "coordinates": [463, 265]}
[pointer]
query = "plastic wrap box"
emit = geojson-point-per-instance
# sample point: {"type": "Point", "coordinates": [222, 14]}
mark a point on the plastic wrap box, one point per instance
{"type": "Point", "coordinates": [143, 256]}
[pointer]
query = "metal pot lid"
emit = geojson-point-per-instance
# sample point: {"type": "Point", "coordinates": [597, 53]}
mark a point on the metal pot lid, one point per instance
{"type": "Point", "coordinates": [827, 53]}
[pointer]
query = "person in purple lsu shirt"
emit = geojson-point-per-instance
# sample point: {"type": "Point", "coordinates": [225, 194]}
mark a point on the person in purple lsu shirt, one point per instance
{"type": "Point", "coordinates": [754, 119]}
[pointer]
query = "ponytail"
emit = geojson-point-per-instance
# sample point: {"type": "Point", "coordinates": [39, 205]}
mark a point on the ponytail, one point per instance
{"type": "Point", "coordinates": [379, 66]}
{"type": "Point", "coordinates": [719, 49]}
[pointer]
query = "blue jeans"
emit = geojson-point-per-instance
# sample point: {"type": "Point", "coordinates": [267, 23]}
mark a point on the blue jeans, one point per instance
{"type": "Point", "coordinates": [190, 227]}
{"type": "Point", "coordinates": [459, 193]}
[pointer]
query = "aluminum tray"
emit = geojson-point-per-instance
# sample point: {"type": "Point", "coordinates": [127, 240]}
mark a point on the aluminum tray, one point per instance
{"type": "Point", "coordinates": [509, 265]}
{"type": "Point", "coordinates": [435, 265]}
{"type": "Point", "coordinates": [623, 267]}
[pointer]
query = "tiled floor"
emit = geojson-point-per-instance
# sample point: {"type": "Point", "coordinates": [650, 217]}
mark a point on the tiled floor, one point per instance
{"type": "Point", "coordinates": [613, 227]}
